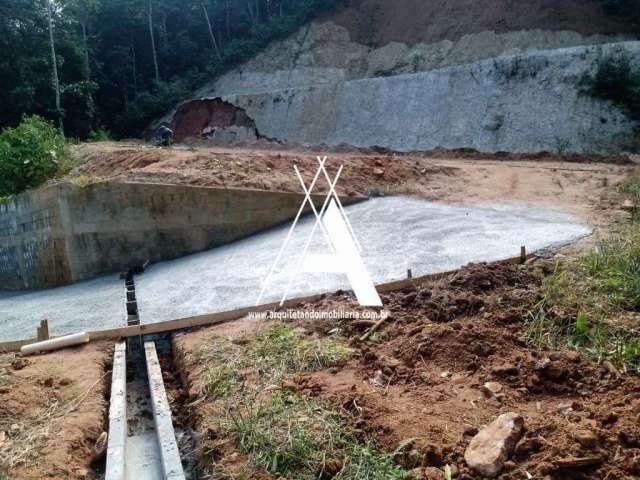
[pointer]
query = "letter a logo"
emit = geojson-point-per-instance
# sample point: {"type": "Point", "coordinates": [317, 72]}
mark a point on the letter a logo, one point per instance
{"type": "Point", "coordinates": [345, 249]}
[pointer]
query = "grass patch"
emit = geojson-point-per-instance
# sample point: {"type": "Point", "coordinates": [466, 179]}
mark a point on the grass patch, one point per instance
{"type": "Point", "coordinates": [273, 354]}
{"type": "Point", "coordinates": [84, 180]}
{"type": "Point", "coordinates": [301, 438]}
{"type": "Point", "coordinates": [281, 432]}
{"type": "Point", "coordinates": [593, 304]}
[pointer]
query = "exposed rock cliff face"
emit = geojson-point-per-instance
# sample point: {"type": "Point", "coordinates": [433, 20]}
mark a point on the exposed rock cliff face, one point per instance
{"type": "Point", "coordinates": [493, 90]}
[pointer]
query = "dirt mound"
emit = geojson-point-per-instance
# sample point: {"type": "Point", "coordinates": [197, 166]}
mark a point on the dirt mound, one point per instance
{"type": "Point", "coordinates": [378, 22]}
{"type": "Point", "coordinates": [448, 363]}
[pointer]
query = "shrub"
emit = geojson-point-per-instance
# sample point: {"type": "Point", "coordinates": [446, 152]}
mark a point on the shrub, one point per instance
{"type": "Point", "coordinates": [618, 81]}
{"type": "Point", "coordinates": [30, 154]}
{"type": "Point", "coordinates": [99, 135]}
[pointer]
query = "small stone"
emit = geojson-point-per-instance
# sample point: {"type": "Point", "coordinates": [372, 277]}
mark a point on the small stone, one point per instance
{"type": "Point", "coordinates": [586, 438]}
{"type": "Point", "coordinates": [610, 369]}
{"type": "Point", "coordinates": [378, 172]}
{"type": "Point", "coordinates": [527, 446]}
{"type": "Point", "coordinates": [416, 474]}
{"type": "Point", "coordinates": [505, 370]}
{"type": "Point", "coordinates": [573, 356]}
{"type": "Point", "coordinates": [493, 445]}
{"type": "Point", "coordinates": [48, 382]}
{"type": "Point", "coordinates": [433, 473]}
{"type": "Point", "coordinates": [19, 363]}
{"type": "Point", "coordinates": [565, 408]}
{"type": "Point", "coordinates": [492, 388]}
{"type": "Point", "coordinates": [470, 431]}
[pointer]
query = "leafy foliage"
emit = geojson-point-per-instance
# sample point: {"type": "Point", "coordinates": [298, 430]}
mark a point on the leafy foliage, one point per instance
{"type": "Point", "coordinates": [617, 80]}
{"type": "Point", "coordinates": [31, 154]}
{"type": "Point", "coordinates": [105, 60]}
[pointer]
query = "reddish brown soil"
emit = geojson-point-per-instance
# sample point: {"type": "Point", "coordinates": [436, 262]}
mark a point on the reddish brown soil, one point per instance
{"type": "Point", "coordinates": [378, 22]}
{"type": "Point", "coordinates": [421, 377]}
{"type": "Point", "coordinates": [192, 117]}
{"type": "Point", "coordinates": [57, 403]}
{"type": "Point", "coordinates": [586, 188]}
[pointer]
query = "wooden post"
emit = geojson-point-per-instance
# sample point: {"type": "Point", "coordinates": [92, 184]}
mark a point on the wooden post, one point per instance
{"type": "Point", "coordinates": [39, 333]}
{"type": "Point", "coordinates": [44, 326]}
{"type": "Point", "coordinates": [409, 273]}
{"type": "Point", "coordinates": [523, 254]}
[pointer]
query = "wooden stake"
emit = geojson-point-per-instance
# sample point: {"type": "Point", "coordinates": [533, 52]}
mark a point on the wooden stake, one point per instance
{"type": "Point", "coordinates": [409, 273]}
{"type": "Point", "coordinates": [374, 328]}
{"type": "Point", "coordinates": [523, 254]}
{"type": "Point", "coordinates": [44, 326]}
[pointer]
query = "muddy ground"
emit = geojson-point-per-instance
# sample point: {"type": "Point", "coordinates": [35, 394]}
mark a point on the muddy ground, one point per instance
{"type": "Point", "coordinates": [575, 183]}
{"type": "Point", "coordinates": [52, 413]}
{"type": "Point", "coordinates": [421, 380]}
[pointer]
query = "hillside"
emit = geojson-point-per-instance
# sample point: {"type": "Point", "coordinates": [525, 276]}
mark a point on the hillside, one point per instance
{"type": "Point", "coordinates": [378, 22]}
{"type": "Point", "coordinates": [415, 76]}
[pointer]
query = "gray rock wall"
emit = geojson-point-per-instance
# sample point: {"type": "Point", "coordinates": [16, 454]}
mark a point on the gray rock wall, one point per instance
{"type": "Point", "coordinates": [521, 103]}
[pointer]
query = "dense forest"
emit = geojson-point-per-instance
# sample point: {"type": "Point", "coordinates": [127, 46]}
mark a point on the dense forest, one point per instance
{"type": "Point", "coordinates": [94, 65]}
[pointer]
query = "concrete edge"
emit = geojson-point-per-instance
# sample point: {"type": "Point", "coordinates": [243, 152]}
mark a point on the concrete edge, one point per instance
{"type": "Point", "coordinates": [117, 440]}
{"type": "Point", "coordinates": [230, 315]}
{"type": "Point", "coordinates": [169, 453]}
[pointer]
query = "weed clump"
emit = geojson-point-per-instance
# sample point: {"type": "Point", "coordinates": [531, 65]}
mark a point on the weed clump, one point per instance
{"type": "Point", "coordinates": [297, 437]}
{"type": "Point", "coordinates": [282, 432]}
{"type": "Point", "coordinates": [274, 353]}
{"type": "Point", "coordinates": [592, 304]}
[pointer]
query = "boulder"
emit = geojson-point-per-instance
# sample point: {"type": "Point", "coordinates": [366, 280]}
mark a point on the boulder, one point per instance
{"type": "Point", "coordinates": [493, 445]}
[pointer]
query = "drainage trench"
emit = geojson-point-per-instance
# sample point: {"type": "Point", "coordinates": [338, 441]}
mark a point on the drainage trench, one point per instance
{"type": "Point", "coordinates": [142, 441]}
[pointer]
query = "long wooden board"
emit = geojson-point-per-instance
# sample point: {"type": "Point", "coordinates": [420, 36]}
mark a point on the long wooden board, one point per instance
{"type": "Point", "coordinates": [229, 315]}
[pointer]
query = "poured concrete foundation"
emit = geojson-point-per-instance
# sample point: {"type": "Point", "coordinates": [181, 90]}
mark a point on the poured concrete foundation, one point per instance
{"type": "Point", "coordinates": [396, 233]}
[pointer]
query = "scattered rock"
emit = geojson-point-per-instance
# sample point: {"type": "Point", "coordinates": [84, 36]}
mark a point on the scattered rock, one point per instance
{"type": "Point", "coordinates": [490, 448]}
{"type": "Point", "coordinates": [491, 389]}
{"type": "Point", "coordinates": [48, 382]}
{"type": "Point", "coordinates": [378, 172]}
{"type": "Point", "coordinates": [527, 446]}
{"type": "Point", "coordinates": [505, 370]}
{"type": "Point", "coordinates": [565, 408]}
{"type": "Point", "coordinates": [610, 369]}
{"type": "Point", "coordinates": [629, 439]}
{"type": "Point", "coordinates": [628, 205]}
{"type": "Point", "coordinates": [433, 473]}
{"type": "Point", "coordinates": [586, 438]}
{"type": "Point", "coordinates": [19, 363]}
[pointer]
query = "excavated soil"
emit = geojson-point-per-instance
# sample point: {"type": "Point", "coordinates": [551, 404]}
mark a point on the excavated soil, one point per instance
{"type": "Point", "coordinates": [572, 183]}
{"type": "Point", "coordinates": [421, 379]}
{"type": "Point", "coordinates": [52, 413]}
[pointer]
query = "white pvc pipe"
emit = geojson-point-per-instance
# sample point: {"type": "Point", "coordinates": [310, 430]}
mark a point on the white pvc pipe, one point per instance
{"type": "Point", "coordinates": [55, 343]}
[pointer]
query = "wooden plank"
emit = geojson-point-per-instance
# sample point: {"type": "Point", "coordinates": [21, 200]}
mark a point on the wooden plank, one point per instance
{"type": "Point", "coordinates": [229, 315]}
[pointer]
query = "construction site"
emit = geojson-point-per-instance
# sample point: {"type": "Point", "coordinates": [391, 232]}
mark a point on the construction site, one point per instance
{"type": "Point", "coordinates": [390, 246]}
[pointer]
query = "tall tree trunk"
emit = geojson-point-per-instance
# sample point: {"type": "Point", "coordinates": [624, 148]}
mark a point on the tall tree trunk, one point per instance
{"type": "Point", "coordinates": [214, 43]}
{"type": "Point", "coordinates": [54, 63]}
{"type": "Point", "coordinates": [134, 72]}
{"type": "Point", "coordinates": [153, 44]}
{"type": "Point", "coordinates": [87, 68]}
{"type": "Point", "coordinates": [228, 20]}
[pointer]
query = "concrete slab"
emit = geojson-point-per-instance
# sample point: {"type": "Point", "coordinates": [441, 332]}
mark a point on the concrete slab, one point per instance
{"type": "Point", "coordinates": [396, 233]}
{"type": "Point", "coordinates": [143, 458]}
{"type": "Point", "coordinates": [117, 443]}
{"type": "Point", "coordinates": [74, 308]}
{"type": "Point", "coordinates": [165, 434]}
